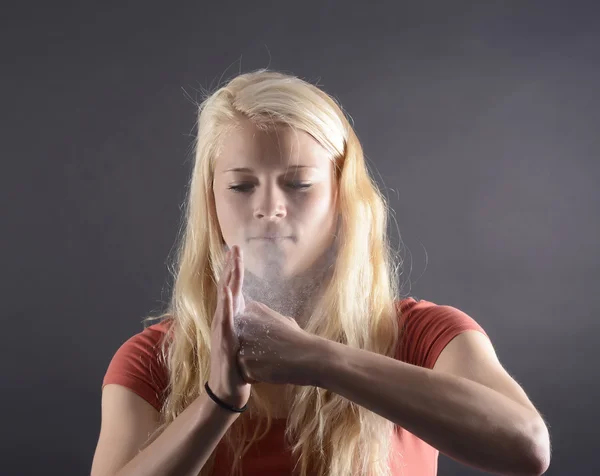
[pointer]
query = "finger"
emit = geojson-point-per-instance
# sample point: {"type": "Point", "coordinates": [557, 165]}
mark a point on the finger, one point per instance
{"type": "Point", "coordinates": [241, 267]}
{"type": "Point", "coordinates": [238, 273]}
{"type": "Point", "coordinates": [228, 313]}
{"type": "Point", "coordinates": [221, 294]}
{"type": "Point", "coordinates": [226, 305]}
{"type": "Point", "coordinates": [231, 266]}
{"type": "Point", "coordinates": [219, 306]}
{"type": "Point", "coordinates": [226, 273]}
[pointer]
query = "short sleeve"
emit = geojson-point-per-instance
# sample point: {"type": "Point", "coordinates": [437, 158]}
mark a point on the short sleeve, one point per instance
{"type": "Point", "coordinates": [428, 328]}
{"type": "Point", "coordinates": [136, 365]}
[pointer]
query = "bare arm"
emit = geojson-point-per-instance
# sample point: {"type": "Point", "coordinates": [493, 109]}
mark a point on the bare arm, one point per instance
{"type": "Point", "coordinates": [469, 422]}
{"type": "Point", "coordinates": [181, 449]}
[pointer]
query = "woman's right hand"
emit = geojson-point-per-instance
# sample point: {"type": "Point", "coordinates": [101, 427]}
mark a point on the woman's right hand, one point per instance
{"type": "Point", "coordinates": [225, 378]}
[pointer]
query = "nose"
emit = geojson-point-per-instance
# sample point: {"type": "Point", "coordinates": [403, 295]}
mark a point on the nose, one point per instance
{"type": "Point", "coordinates": [270, 203]}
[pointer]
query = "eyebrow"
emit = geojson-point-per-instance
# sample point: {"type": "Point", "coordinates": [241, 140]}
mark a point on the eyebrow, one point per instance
{"type": "Point", "coordinates": [248, 170]}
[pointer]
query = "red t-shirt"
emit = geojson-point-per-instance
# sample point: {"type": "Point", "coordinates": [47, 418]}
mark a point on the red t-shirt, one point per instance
{"type": "Point", "coordinates": [428, 327]}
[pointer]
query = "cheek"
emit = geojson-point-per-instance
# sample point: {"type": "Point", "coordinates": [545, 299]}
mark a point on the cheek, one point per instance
{"type": "Point", "coordinates": [228, 213]}
{"type": "Point", "coordinates": [317, 210]}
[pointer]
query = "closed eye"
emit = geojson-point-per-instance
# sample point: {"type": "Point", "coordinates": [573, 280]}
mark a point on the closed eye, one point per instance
{"type": "Point", "coordinates": [241, 188]}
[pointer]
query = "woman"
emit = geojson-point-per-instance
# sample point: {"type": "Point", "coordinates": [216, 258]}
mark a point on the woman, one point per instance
{"type": "Point", "coordinates": [285, 348]}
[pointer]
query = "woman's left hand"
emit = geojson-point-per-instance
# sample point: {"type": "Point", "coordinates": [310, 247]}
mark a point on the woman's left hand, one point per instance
{"type": "Point", "coordinates": [274, 348]}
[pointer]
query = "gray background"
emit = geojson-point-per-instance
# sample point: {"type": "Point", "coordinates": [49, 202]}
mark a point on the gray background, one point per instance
{"type": "Point", "coordinates": [480, 119]}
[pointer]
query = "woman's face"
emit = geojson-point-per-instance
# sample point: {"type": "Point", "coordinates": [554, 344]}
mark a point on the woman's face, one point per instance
{"type": "Point", "coordinates": [275, 196]}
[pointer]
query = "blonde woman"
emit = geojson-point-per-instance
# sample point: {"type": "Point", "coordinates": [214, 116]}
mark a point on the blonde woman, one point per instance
{"type": "Point", "coordinates": [286, 348]}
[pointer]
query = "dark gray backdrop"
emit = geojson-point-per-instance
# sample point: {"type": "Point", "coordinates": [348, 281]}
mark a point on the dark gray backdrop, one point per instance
{"type": "Point", "coordinates": [480, 118]}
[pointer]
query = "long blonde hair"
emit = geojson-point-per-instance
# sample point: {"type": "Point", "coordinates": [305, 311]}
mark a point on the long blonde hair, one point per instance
{"type": "Point", "coordinates": [329, 435]}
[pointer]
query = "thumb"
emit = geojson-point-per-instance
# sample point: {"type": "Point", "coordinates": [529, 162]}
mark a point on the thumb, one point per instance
{"type": "Point", "coordinates": [244, 370]}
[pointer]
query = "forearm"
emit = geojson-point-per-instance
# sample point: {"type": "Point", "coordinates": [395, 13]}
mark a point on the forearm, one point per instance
{"type": "Point", "coordinates": [466, 421]}
{"type": "Point", "coordinates": [186, 444]}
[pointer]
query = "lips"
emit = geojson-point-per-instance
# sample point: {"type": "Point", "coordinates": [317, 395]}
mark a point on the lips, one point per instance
{"type": "Point", "coordinates": [271, 238]}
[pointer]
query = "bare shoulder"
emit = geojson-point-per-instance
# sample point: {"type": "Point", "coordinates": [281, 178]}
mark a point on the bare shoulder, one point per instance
{"type": "Point", "coordinates": [126, 424]}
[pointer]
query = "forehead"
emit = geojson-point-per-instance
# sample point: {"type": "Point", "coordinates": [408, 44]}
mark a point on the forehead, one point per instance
{"type": "Point", "coordinates": [280, 146]}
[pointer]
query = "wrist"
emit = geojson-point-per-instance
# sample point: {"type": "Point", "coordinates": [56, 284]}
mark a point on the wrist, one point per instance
{"type": "Point", "coordinates": [314, 368]}
{"type": "Point", "coordinates": [228, 398]}
{"type": "Point", "coordinates": [214, 410]}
